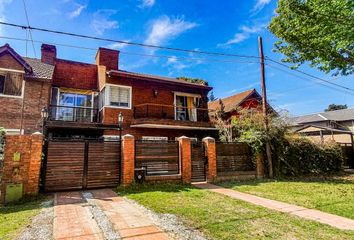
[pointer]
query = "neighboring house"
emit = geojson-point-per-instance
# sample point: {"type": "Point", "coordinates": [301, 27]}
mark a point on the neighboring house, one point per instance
{"type": "Point", "coordinates": [86, 99]}
{"type": "Point", "coordinates": [335, 125]}
{"type": "Point", "coordinates": [249, 99]}
{"type": "Point", "coordinates": [24, 89]}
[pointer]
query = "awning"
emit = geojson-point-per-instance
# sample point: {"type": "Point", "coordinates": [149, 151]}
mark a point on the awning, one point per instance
{"type": "Point", "coordinates": [164, 126]}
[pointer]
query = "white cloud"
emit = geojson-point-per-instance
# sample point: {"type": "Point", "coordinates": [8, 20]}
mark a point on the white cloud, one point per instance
{"type": "Point", "coordinates": [118, 46]}
{"type": "Point", "coordinates": [175, 63]}
{"type": "Point", "coordinates": [77, 11]}
{"type": "Point", "coordinates": [147, 3]}
{"type": "Point", "coordinates": [101, 22]}
{"type": "Point", "coordinates": [260, 4]}
{"type": "Point", "coordinates": [165, 28]}
{"type": "Point", "coordinates": [244, 33]}
{"type": "Point", "coordinates": [3, 4]}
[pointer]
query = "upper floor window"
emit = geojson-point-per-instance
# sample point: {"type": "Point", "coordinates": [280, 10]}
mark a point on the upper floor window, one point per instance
{"type": "Point", "coordinates": [11, 83]}
{"type": "Point", "coordinates": [116, 96]}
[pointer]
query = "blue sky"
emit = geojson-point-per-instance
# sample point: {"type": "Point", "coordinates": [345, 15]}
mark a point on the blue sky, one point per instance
{"type": "Point", "coordinates": [230, 26]}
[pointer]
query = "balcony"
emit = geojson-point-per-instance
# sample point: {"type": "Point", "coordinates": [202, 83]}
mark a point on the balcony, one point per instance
{"type": "Point", "coordinates": [160, 114]}
{"type": "Point", "coordinates": [73, 114]}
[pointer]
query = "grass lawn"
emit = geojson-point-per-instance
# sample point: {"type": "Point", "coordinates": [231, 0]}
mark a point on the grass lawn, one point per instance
{"type": "Point", "coordinates": [332, 194]}
{"type": "Point", "coordinates": [14, 217]}
{"type": "Point", "coordinates": [220, 217]}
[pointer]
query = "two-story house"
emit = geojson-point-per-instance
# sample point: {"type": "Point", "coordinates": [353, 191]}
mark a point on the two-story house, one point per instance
{"type": "Point", "coordinates": [25, 85]}
{"type": "Point", "coordinates": [86, 99]}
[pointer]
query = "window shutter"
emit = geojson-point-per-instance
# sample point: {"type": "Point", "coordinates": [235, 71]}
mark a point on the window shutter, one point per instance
{"type": "Point", "coordinates": [114, 96]}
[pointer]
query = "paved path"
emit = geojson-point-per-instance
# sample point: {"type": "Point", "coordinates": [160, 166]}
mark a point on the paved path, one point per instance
{"type": "Point", "coordinates": [326, 218]}
{"type": "Point", "coordinates": [74, 218]}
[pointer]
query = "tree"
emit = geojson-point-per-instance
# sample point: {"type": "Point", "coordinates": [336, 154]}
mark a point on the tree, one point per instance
{"type": "Point", "coordinates": [194, 80]}
{"type": "Point", "coordinates": [320, 32]}
{"type": "Point", "coordinates": [333, 107]}
{"type": "Point", "coordinates": [212, 97]}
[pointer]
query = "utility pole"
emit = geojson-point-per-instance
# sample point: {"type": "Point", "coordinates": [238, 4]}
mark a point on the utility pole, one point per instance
{"type": "Point", "coordinates": [265, 106]}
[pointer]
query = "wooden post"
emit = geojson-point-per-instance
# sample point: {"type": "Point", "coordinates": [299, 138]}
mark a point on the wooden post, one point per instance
{"type": "Point", "coordinates": [265, 106]}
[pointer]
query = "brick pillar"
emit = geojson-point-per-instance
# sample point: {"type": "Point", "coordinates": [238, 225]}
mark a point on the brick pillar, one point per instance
{"type": "Point", "coordinates": [185, 153]}
{"type": "Point", "coordinates": [259, 166]}
{"type": "Point", "coordinates": [34, 164]}
{"type": "Point", "coordinates": [128, 160]}
{"type": "Point", "coordinates": [210, 147]}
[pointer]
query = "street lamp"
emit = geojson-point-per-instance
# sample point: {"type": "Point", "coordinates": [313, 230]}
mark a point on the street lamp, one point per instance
{"type": "Point", "coordinates": [44, 115]}
{"type": "Point", "coordinates": [120, 123]}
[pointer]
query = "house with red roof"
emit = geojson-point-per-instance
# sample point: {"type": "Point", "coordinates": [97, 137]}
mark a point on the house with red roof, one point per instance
{"type": "Point", "coordinates": [85, 99]}
{"type": "Point", "coordinates": [249, 99]}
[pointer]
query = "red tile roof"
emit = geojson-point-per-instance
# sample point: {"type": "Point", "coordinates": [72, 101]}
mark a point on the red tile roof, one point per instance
{"type": "Point", "coordinates": [232, 102]}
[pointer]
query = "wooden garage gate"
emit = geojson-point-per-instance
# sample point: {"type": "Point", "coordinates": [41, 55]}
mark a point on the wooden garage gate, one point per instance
{"type": "Point", "coordinates": [81, 164]}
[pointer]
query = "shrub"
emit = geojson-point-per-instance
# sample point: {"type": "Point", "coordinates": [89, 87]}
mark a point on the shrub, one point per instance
{"type": "Point", "coordinates": [299, 156]}
{"type": "Point", "coordinates": [291, 154]}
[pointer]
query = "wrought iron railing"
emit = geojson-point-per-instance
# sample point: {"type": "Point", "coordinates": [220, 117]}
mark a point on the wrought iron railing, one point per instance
{"type": "Point", "coordinates": [172, 112]}
{"type": "Point", "coordinates": [73, 114]}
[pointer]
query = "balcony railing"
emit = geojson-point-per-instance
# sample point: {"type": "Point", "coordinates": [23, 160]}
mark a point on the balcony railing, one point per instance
{"type": "Point", "coordinates": [73, 114]}
{"type": "Point", "coordinates": [172, 112]}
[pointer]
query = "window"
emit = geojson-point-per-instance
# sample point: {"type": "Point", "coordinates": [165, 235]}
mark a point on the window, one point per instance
{"type": "Point", "coordinates": [186, 107]}
{"type": "Point", "coordinates": [116, 96]}
{"type": "Point", "coordinates": [11, 83]}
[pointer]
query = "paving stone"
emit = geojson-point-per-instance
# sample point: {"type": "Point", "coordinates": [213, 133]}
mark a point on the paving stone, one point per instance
{"type": "Point", "coordinates": [310, 214]}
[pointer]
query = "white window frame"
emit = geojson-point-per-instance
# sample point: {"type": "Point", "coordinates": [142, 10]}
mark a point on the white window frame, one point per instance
{"type": "Point", "coordinates": [107, 87]}
{"type": "Point", "coordinates": [23, 83]}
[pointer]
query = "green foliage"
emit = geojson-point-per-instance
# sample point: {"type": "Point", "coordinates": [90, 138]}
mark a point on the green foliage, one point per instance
{"type": "Point", "coordinates": [299, 156]}
{"type": "Point", "coordinates": [194, 80]}
{"type": "Point", "coordinates": [291, 154]}
{"type": "Point", "coordinates": [318, 31]}
{"type": "Point", "coordinates": [333, 107]}
{"type": "Point", "coordinates": [2, 143]}
{"type": "Point", "coordinates": [211, 97]}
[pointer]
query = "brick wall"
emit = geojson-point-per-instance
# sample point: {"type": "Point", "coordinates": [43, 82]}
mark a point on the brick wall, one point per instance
{"type": "Point", "coordinates": [25, 169]}
{"type": "Point", "coordinates": [72, 74]}
{"type": "Point", "coordinates": [23, 112]}
{"type": "Point", "coordinates": [128, 160]}
{"type": "Point", "coordinates": [142, 93]}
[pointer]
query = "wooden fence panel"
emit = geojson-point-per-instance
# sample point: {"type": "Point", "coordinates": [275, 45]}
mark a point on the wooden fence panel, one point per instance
{"type": "Point", "coordinates": [157, 157]}
{"type": "Point", "coordinates": [104, 159]}
{"type": "Point", "coordinates": [233, 157]}
{"type": "Point", "coordinates": [65, 165]}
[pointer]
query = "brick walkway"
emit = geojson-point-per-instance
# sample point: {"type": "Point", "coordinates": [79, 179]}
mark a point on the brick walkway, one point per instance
{"type": "Point", "coordinates": [315, 215]}
{"type": "Point", "coordinates": [74, 220]}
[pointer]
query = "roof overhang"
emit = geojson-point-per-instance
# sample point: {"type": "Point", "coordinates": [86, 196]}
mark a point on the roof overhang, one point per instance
{"type": "Point", "coordinates": [164, 126]}
{"type": "Point", "coordinates": [154, 78]}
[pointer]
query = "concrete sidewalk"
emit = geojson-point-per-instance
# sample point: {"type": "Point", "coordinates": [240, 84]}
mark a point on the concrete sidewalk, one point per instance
{"type": "Point", "coordinates": [75, 219]}
{"type": "Point", "coordinates": [310, 214]}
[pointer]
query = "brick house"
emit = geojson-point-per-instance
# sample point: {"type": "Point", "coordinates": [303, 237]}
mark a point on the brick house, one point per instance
{"type": "Point", "coordinates": [249, 99]}
{"type": "Point", "coordinates": [84, 100]}
{"type": "Point", "coordinates": [24, 89]}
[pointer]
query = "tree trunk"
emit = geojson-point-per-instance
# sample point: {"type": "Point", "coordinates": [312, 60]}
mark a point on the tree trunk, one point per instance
{"type": "Point", "coordinates": [269, 158]}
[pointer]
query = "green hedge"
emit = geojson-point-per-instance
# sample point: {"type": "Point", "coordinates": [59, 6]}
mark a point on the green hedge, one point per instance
{"type": "Point", "coordinates": [300, 156]}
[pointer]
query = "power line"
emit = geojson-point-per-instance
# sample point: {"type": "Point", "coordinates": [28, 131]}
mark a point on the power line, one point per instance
{"type": "Point", "coordinates": [166, 48]}
{"type": "Point", "coordinates": [126, 42]}
{"type": "Point", "coordinates": [136, 54]}
{"type": "Point", "coordinates": [310, 75]}
{"type": "Point", "coordinates": [30, 33]}
{"type": "Point", "coordinates": [306, 79]}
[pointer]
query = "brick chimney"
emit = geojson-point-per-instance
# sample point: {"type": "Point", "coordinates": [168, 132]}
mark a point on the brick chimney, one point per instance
{"type": "Point", "coordinates": [108, 58]}
{"type": "Point", "coordinates": [48, 54]}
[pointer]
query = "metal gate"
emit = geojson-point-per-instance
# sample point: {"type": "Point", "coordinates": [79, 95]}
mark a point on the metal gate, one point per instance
{"type": "Point", "coordinates": [81, 164]}
{"type": "Point", "coordinates": [199, 162]}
